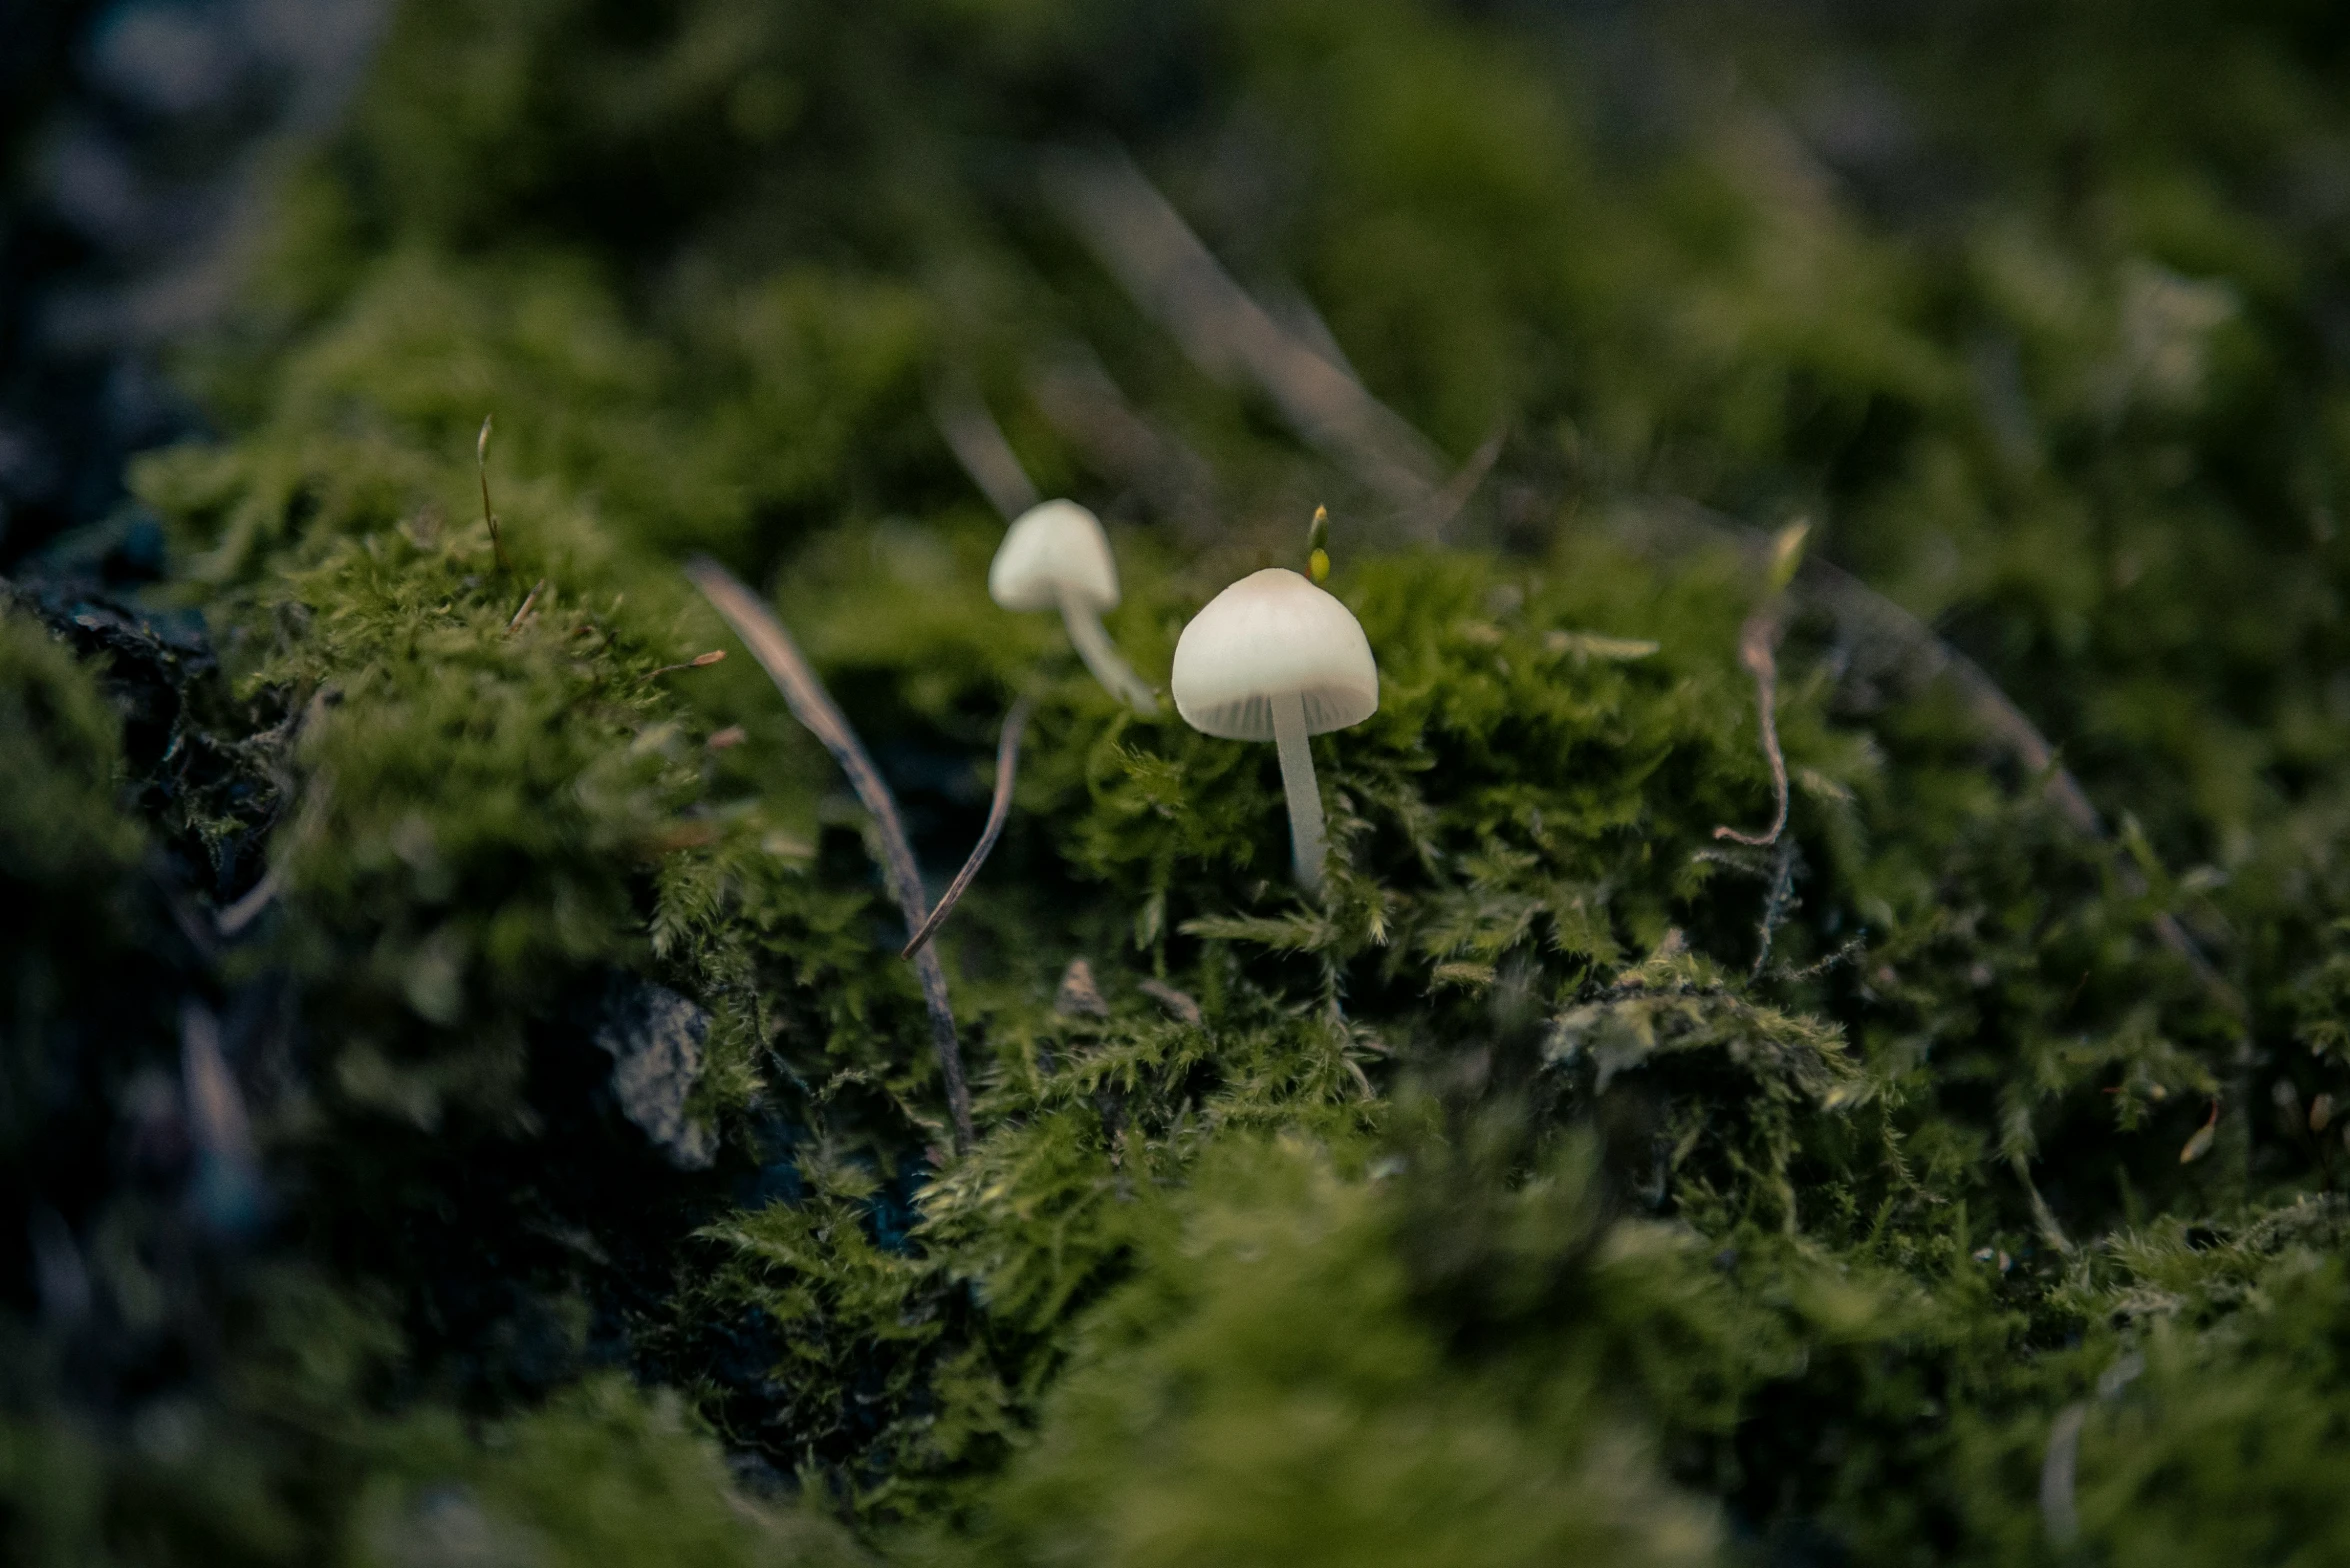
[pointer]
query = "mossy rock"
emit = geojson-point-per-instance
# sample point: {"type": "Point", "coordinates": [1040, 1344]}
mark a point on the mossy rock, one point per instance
{"type": "Point", "coordinates": [463, 1099]}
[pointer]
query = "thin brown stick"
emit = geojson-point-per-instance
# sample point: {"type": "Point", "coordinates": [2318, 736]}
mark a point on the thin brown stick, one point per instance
{"type": "Point", "coordinates": [1007, 765]}
{"type": "Point", "coordinates": [780, 657]}
{"type": "Point", "coordinates": [1758, 650]}
{"type": "Point", "coordinates": [481, 462]}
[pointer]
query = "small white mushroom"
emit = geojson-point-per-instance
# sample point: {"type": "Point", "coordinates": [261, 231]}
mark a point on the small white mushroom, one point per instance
{"type": "Point", "coordinates": [1275, 658]}
{"type": "Point", "coordinates": [1055, 556]}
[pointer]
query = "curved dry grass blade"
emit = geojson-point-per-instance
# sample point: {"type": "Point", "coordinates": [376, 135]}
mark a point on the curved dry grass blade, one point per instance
{"type": "Point", "coordinates": [780, 657]}
{"type": "Point", "coordinates": [1007, 764]}
{"type": "Point", "coordinates": [1758, 650]}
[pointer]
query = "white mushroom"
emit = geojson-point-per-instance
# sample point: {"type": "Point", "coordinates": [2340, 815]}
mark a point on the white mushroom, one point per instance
{"type": "Point", "coordinates": [1055, 556]}
{"type": "Point", "coordinates": [1275, 658]}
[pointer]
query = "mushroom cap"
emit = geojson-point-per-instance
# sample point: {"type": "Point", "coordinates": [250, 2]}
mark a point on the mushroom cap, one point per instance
{"type": "Point", "coordinates": [1050, 548]}
{"type": "Point", "coordinates": [1269, 634]}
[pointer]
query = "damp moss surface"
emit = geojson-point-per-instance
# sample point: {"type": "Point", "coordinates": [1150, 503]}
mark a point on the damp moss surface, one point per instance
{"type": "Point", "coordinates": [460, 1095]}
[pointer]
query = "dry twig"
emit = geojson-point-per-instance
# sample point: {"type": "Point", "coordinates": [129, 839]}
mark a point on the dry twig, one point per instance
{"type": "Point", "coordinates": [780, 657]}
{"type": "Point", "coordinates": [1007, 765]}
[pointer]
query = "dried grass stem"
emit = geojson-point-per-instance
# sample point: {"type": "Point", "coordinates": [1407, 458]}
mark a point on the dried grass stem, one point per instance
{"type": "Point", "coordinates": [780, 657]}
{"type": "Point", "coordinates": [1007, 766]}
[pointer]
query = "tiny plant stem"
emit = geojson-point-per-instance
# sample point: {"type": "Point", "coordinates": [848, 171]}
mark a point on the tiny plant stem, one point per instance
{"type": "Point", "coordinates": [528, 600]}
{"type": "Point", "coordinates": [700, 661]}
{"type": "Point", "coordinates": [1758, 646]}
{"type": "Point", "coordinates": [780, 657]}
{"type": "Point", "coordinates": [1094, 647]}
{"type": "Point", "coordinates": [1297, 782]}
{"type": "Point", "coordinates": [1007, 766]}
{"type": "Point", "coordinates": [481, 460]}
{"type": "Point", "coordinates": [1776, 904]}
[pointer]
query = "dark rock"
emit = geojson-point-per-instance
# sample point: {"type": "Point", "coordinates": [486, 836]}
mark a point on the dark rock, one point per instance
{"type": "Point", "coordinates": [655, 1040]}
{"type": "Point", "coordinates": [1079, 997]}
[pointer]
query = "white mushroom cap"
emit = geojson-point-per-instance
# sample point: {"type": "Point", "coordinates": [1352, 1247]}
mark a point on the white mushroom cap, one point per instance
{"type": "Point", "coordinates": [1056, 547]}
{"type": "Point", "coordinates": [1271, 634]}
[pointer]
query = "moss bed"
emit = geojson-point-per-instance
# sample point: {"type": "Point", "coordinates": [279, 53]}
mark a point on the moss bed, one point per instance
{"type": "Point", "coordinates": [459, 1092]}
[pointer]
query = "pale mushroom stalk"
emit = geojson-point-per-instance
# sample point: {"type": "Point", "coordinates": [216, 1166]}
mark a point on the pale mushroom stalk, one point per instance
{"type": "Point", "coordinates": [1306, 842]}
{"type": "Point", "coordinates": [1101, 657]}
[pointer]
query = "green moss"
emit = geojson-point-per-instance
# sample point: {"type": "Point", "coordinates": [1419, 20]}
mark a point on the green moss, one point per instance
{"type": "Point", "coordinates": [602, 1474]}
{"type": "Point", "coordinates": [1266, 1390]}
{"type": "Point", "coordinates": [1949, 1182]}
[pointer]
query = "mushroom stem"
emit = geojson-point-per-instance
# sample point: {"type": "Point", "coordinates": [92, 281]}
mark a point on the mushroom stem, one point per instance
{"type": "Point", "coordinates": [1297, 782]}
{"type": "Point", "coordinates": [1094, 647]}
